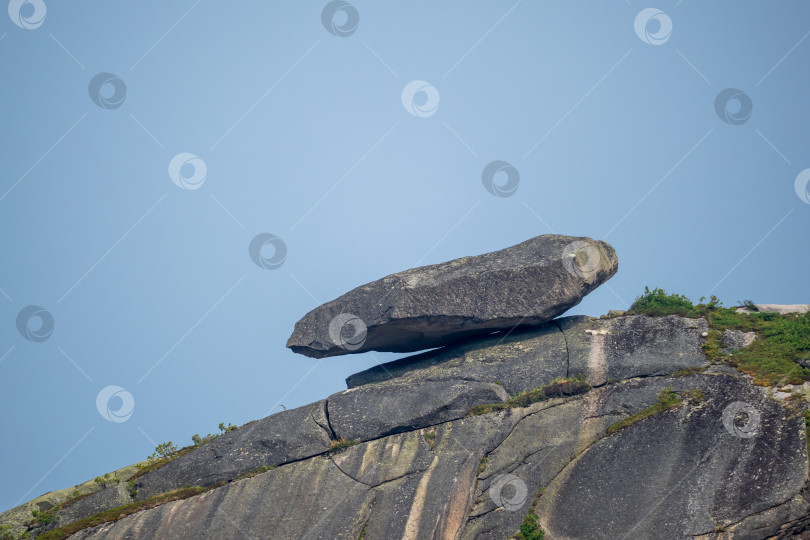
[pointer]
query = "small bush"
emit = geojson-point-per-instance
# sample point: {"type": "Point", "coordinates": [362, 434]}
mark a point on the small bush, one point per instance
{"type": "Point", "coordinates": [530, 529]}
{"type": "Point", "coordinates": [225, 429]}
{"type": "Point", "coordinates": [163, 450]}
{"type": "Point", "coordinates": [133, 488]}
{"type": "Point", "coordinates": [657, 303]}
{"type": "Point", "coordinates": [430, 437]}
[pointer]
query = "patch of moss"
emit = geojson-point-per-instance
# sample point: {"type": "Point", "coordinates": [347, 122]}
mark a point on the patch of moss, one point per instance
{"type": "Point", "coordinates": [695, 395]}
{"type": "Point", "coordinates": [363, 532]}
{"type": "Point", "coordinates": [430, 437]}
{"type": "Point", "coordinates": [481, 466]}
{"type": "Point", "coordinates": [254, 472]}
{"type": "Point", "coordinates": [558, 388]}
{"type": "Point", "coordinates": [114, 514]}
{"type": "Point", "coordinates": [667, 399]}
{"type": "Point", "coordinates": [772, 360]}
{"type": "Point", "coordinates": [341, 444]}
{"type": "Point", "coordinates": [687, 371]}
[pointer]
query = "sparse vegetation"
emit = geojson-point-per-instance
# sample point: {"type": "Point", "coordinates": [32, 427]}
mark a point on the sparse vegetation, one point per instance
{"type": "Point", "coordinates": [163, 450]}
{"type": "Point", "coordinates": [103, 481]}
{"type": "Point", "coordinates": [133, 488]}
{"type": "Point", "coordinates": [530, 529]}
{"type": "Point", "coordinates": [482, 465]}
{"type": "Point", "coordinates": [114, 514]}
{"type": "Point", "coordinates": [749, 304]}
{"type": "Point", "coordinates": [199, 441]}
{"type": "Point", "coordinates": [45, 517]}
{"type": "Point", "coordinates": [667, 399]}
{"type": "Point", "coordinates": [695, 395]}
{"type": "Point", "coordinates": [254, 472]}
{"type": "Point", "coordinates": [341, 444]}
{"type": "Point", "coordinates": [430, 437]}
{"type": "Point", "coordinates": [363, 532]}
{"type": "Point", "coordinates": [772, 360]}
{"type": "Point", "coordinates": [557, 388]}
{"type": "Point", "coordinates": [687, 371]}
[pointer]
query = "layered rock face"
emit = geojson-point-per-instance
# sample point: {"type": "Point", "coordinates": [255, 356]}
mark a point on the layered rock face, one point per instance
{"type": "Point", "coordinates": [651, 441]}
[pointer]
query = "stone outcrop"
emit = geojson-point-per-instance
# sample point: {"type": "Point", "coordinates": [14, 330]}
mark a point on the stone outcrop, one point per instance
{"type": "Point", "coordinates": [728, 462]}
{"type": "Point", "coordinates": [527, 284]}
{"type": "Point", "coordinates": [472, 441]}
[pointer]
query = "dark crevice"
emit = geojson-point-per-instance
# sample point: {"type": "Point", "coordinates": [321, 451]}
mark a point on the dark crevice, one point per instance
{"type": "Point", "coordinates": [328, 427]}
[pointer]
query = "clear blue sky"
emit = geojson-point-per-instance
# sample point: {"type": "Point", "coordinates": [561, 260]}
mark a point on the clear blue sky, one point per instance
{"type": "Point", "coordinates": [302, 133]}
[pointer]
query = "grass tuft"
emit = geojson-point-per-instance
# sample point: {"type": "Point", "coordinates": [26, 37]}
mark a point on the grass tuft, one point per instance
{"type": "Point", "coordinates": [667, 399]}
{"type": "Point", "coordinates": [341, 444]}
{"type": "Point", "coordinates": [559, 388]}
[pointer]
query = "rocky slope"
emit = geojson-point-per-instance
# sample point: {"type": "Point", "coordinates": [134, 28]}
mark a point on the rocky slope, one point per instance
{"type": "Point", "coordinates": [617, 427]}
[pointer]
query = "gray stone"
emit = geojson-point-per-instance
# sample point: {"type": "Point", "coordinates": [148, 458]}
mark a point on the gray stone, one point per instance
{"type": "Point", "coordinates": [778, 308]}
{"type": "Point", "coordinates": [425, 307]}
{"type": "Point", "coordinates": [374, 411]}
{"type": "Point", "coordinates": [633, 346]}
{"type": "Point", "coordinates": [274, 440]}
{"type": "Point", "coordinates": [520, 360]}
{"type": "Point", "coordinates": [684, 472]}
{"type": "Point", "coordinates": [737, 339]}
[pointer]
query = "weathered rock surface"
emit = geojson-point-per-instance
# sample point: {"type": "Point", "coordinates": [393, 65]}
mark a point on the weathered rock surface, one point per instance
{"type": "Point", "coordinates": [685, 472]}
{"type": "Point", "coordinates": [520, 360]}
{"type": "Point", "coordinates": [737, 339]}
{"type": "Point", "coordinates": [778, 308]}
{"type": "Point", "coordinates": [426, 307]}
{"type": "Point", "coordinates": [729, 462]}
{"type": "Point", "coordinates": [598, 349]}
{"type": "Point", "coordinates": [376, 410]}
{"type": "Point", "coordinates": [672, 475]}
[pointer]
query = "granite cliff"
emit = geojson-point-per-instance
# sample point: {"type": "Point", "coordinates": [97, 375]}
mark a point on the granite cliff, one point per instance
{"type": "Point", "coordinates": [671, 420]}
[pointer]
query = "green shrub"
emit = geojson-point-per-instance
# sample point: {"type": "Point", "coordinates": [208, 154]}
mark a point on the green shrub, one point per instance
{"type": "Point", "coordinates": [657, 303]}
{"type": "Point", "coordinates": [225, 429]}
{"type": "Point", "coordinates": [530, 529]}
{"type": "Point", "coordinates": [163, 450]}
{"type": "Point", "coordinates": [133, 488]}
{"type": "Point", "coordinates": [771, 359]}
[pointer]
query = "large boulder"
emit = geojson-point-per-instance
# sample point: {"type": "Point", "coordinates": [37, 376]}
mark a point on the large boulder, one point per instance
{"type": "Point", "coordinates": [425, 307]}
